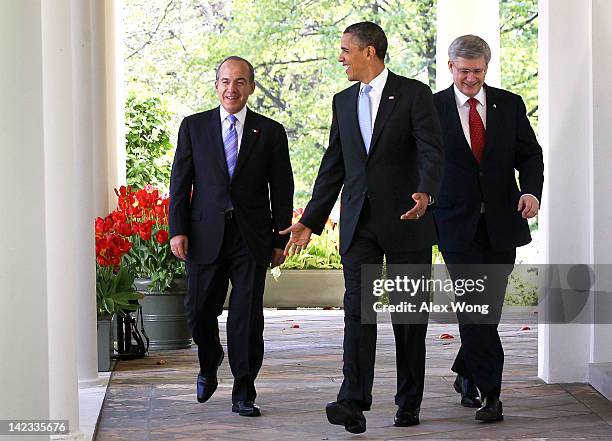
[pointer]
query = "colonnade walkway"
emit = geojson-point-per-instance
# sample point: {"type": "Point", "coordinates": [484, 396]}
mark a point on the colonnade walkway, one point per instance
{"type": "Point", "coordinates": [154, 398]}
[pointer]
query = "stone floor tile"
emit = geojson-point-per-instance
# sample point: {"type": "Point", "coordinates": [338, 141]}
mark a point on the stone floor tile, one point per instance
{"type": "Point", "coordinates": [154, 398]}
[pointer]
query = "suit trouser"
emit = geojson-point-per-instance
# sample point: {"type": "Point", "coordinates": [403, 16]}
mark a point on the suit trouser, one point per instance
{"type": "Point", "coordinates": [481, 356]}
{"type": "Point", "coordinates": [360, 339]}
{"type": "Point", "coordinates": [207, 289]}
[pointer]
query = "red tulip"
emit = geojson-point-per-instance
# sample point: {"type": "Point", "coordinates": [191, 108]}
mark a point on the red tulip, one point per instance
{"type": "Point", "coordinates": [161, 237]}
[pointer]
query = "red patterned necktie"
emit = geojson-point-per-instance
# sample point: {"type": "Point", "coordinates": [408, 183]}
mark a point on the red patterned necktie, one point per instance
{"type": "Point", "coordinates": [477, 130]}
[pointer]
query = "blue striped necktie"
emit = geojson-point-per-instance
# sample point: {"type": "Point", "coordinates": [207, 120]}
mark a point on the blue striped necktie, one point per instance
{"type": "Point", "coordinates": [230, 145]}
{"type": "Point", "coordinates": [365, 116]}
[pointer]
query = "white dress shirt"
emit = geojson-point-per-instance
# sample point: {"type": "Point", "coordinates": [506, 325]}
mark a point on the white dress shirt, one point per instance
{"type": "Point", "coordinates": [464, 114]}
{"type": "Point", "coordinates": [378, 84]}
{"type": "Point", "coordinates": [464, 110]}
{"type": "Point", "coordinates": [225, 124]}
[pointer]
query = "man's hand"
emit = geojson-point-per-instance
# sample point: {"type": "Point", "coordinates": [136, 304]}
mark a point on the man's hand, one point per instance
{"type": "Point", "coordinates": [528, 206]}
{"type": "Point", "coordinates": [178, 246]}
{"type": "Point", "coordinates": [278, 257]}
{"type": "Point", "coordinates": [421, 199]}
{"type": "Point", "coordinates": [300, 236]}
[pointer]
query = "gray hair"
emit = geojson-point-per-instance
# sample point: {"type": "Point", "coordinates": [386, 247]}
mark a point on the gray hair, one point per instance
{"type": "Point", "coordinates": [470, 47]}
{"type": "Point", "coordinates": [236, 58]}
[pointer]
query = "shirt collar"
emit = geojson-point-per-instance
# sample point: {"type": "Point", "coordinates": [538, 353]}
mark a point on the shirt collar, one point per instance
{"type": "Point", "coordinates": [461, 99]}
{"type": "Point", "coordinates": [378, 83]}
{"type": "Point", "coordinates": [240, 116]}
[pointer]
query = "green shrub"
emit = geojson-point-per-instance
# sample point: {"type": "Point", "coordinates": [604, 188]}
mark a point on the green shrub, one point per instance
{"type": "Point", "coordinates": [148, 144]}
{"type": "Point", "coordinates": [321, 252]}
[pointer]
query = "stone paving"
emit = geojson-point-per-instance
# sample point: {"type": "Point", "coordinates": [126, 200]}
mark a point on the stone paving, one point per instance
{"type": "Point", "coordinates": [154, 398]}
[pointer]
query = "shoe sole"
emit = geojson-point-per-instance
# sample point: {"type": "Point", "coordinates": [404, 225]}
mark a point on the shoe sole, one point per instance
{"type": "Point", "coordinates": [416, 423]}
{"type": "Point", "coordinates": [254, 413]}
{"type": "Point", "coordinates": [457, 388]}
{"type": "Point", "coordinates": [471, 405]}
{"type": "Point", "coordinates": [340, 417]}
{"type": "Point", "coordinates": [489, 420]}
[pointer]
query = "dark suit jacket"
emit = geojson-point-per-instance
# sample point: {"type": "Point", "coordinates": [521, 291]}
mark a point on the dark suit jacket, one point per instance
{"type": "Point", "coordinates": [405, 157]}
{"type": "Point", "coordinates": [261, 190]}
{"type": "Point", "coordinates": [510, 144]}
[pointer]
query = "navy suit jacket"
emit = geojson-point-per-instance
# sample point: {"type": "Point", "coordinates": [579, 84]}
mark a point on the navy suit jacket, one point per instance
{"type": "Point", "coordinates": [405, 157]}
{"type": "Point", "coordinates": [510, 144]}
{"type": "Point", "coordinates": [261, 190]}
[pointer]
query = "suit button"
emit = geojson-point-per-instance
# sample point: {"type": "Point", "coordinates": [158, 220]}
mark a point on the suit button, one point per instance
{"type": "Point", "coordinates": [481, 174]}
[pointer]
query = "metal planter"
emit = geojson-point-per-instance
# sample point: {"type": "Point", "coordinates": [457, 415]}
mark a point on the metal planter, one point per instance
{"type": "Point", "coordinates": [164, 316]}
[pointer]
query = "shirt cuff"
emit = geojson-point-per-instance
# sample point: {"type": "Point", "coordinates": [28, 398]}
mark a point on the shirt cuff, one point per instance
{"type": "Point", "coordinates": [529, 194]}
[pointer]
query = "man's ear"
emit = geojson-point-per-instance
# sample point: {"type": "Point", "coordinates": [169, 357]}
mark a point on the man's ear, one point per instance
{"type": "Point", "coordinates": [450, 66]}
{"type": "Point", "coordinates": [253, 84]}
{"type": "Point", "coordinates": [372, 51]}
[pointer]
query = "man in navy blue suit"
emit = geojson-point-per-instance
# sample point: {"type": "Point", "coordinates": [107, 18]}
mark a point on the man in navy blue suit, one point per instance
{"type": "Point", "coordinates": [480, 213]}
{"type": "Point", "coordinates": [231, 192]}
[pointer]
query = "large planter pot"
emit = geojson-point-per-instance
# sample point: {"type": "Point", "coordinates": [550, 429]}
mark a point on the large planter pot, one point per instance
{"type": "Point", "coordinates": [303, 288]}
{"type": "Point", "coordinates": [105, 343]}
{"type": "Point", "coordinates": [163, 314]}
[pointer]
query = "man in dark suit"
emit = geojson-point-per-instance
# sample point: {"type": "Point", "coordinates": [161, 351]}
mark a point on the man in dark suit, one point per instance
{"type": "Point", "coordinates": [385, 152]}
{"type": "Point", "coordinates": [231, 192]}
{"type": "Point", "coordinates": [480, 213]}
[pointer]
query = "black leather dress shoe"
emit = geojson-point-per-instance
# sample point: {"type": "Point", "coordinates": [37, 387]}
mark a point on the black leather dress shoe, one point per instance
{"type": "Point", "coordinates": [206, 386]}
{"type": "Point", "coordinates": [406, 417]}
{"type": "Point", "coordinates": [491, 409]}
{"type": "Point", "coordinates": [468, 391]}
{"type": "Point", "coordinates": [246, 408]}
{"type": "Point", "coordinates": [347, 414]}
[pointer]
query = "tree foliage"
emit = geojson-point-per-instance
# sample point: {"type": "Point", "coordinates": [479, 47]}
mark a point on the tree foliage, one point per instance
{"type": "Point", "coordinates": [148, 143]}
{"type": "Point", "coordinates": [173, 47]}
{"type": "Point", "coordinates": [519, 51]}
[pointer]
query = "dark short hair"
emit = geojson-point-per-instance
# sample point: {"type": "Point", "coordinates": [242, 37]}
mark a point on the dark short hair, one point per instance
{"type": "Point", "coordinates": [469, 47]}
{"type": "Point", "coordinates": [370, 34]}
{"type": "Point", "coordinates": [236, 58]}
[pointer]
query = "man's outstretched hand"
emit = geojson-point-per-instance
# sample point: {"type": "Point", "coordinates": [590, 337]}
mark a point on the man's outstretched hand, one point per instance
{"type": "Point", "coordinates": [421, 200]}
{"type": "Point", "coordinates": [300, 236]}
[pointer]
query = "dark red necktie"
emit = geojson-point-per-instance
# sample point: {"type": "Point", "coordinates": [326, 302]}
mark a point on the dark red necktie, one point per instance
{"type": "Point", "coordinates": [477, 130]}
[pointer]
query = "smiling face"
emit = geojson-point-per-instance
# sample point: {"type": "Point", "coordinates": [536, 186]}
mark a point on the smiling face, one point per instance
{"type": "Point", "coordinates": [468, 74]}
{"type": "Point", "coordinates": [233, 85]}
{"type": "Point", "coordinates": [355, 58]}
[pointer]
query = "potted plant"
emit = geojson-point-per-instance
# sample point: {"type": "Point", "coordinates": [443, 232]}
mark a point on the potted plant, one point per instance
{"type": "Point", "coordinates": [312, 278]}
{"type": "Point", "coordinates": [115, 292]}
{"type": "Point", "coordinates": [160, 277]}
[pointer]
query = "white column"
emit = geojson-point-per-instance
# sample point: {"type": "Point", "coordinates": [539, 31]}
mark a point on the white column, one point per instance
{"type": "Point", "coordinates": [601, 337]}
{"type": "Point", "coordinates": [82, 98]}
{"type": "Point", "coordinates": [461, 17]}
{"type": "Point", "coordinates": [115, 97]}
{"type": "Point", "coordinates": [46, 268]}
{"type": "Point", "coordinates": [24, 373]}
{"type": "Point", "coordinates": [575, 132]}
{"type": "Point", "coordinates": [60, 153]}
{"type": "Point", "coordinates": [100, 143]}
